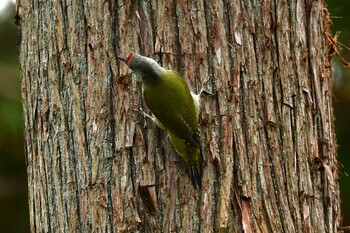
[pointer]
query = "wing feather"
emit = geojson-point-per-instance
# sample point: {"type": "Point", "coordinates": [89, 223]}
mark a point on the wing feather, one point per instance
{"type": "Point", "coordinates": [172, 104]}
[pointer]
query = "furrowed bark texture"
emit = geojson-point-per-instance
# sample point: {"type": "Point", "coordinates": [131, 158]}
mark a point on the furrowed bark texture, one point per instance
{"type": "Point", "coordinates": [267, 134]}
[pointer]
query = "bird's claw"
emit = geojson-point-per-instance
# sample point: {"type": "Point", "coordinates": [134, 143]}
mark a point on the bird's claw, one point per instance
{"type": "Point", "coordinates": [142, 112]}
{"type": "Point", "coordinates": [203, 90]}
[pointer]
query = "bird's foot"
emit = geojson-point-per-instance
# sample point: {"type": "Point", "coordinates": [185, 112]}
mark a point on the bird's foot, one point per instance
{"type": "Point", "coordinates": [203, 90]}
{"type": "Point", "coordinates": [144, 114]}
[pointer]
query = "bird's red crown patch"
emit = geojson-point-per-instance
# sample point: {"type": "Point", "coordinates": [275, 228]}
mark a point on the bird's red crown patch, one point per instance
{"type": "Point", "coordinates": [129, 58]}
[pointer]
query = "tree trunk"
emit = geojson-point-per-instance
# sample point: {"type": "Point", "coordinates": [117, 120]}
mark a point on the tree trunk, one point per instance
{"type": "Point", "coordinates": [267, 134]}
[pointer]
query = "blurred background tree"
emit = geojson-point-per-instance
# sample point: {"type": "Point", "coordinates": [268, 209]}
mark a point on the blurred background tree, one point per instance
{"type": "Point", "coordinates": [339, 11]}
{"type": "Point", "coordinates": [13, 189]}
{"type": "Point", "coordinates": [13, 181]}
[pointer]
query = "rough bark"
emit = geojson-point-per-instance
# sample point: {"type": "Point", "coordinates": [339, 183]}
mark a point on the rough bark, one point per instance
{"type": "Point", "coordinates": [267, 135]}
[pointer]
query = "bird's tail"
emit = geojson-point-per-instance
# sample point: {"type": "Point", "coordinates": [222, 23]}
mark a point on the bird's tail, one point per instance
{"type": "Point", "coordinates": [194, 171]}
{"type": "Point", "coordinates": [191, 158]}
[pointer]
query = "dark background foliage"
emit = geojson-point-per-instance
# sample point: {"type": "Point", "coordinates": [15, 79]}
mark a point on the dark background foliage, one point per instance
{"type": "Point", "coordinates": [14, 216]}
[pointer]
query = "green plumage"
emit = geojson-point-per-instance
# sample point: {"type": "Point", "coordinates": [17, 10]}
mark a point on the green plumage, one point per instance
{"type": "Point", "coordinates": [171, 102]}
{"type": "Point", "coordinates": [174, 108]}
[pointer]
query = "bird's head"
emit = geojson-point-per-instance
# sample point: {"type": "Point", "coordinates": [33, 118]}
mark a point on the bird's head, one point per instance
{"type": "Point", "coordinates": [144, 66]}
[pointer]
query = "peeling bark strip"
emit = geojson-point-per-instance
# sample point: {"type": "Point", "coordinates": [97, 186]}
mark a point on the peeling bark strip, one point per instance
{"type": "Point", "coordinates": [268, 142]}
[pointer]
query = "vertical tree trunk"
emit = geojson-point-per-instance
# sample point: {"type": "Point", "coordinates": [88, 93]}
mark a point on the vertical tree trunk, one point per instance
{"type": "Point", "coordinates": [267, 135]}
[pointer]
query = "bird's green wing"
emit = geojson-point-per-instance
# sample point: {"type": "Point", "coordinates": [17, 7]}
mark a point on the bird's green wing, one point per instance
{"type": "Point", "coordinates": [172, 104]}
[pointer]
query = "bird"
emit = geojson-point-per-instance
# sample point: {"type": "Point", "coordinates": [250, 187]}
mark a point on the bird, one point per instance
{"type": "Point", "coordinates": [174, 108]}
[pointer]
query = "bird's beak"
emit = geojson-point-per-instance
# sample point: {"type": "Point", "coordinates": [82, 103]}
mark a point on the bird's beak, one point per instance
{"type": "Point", "coordinates": [121, 58]}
